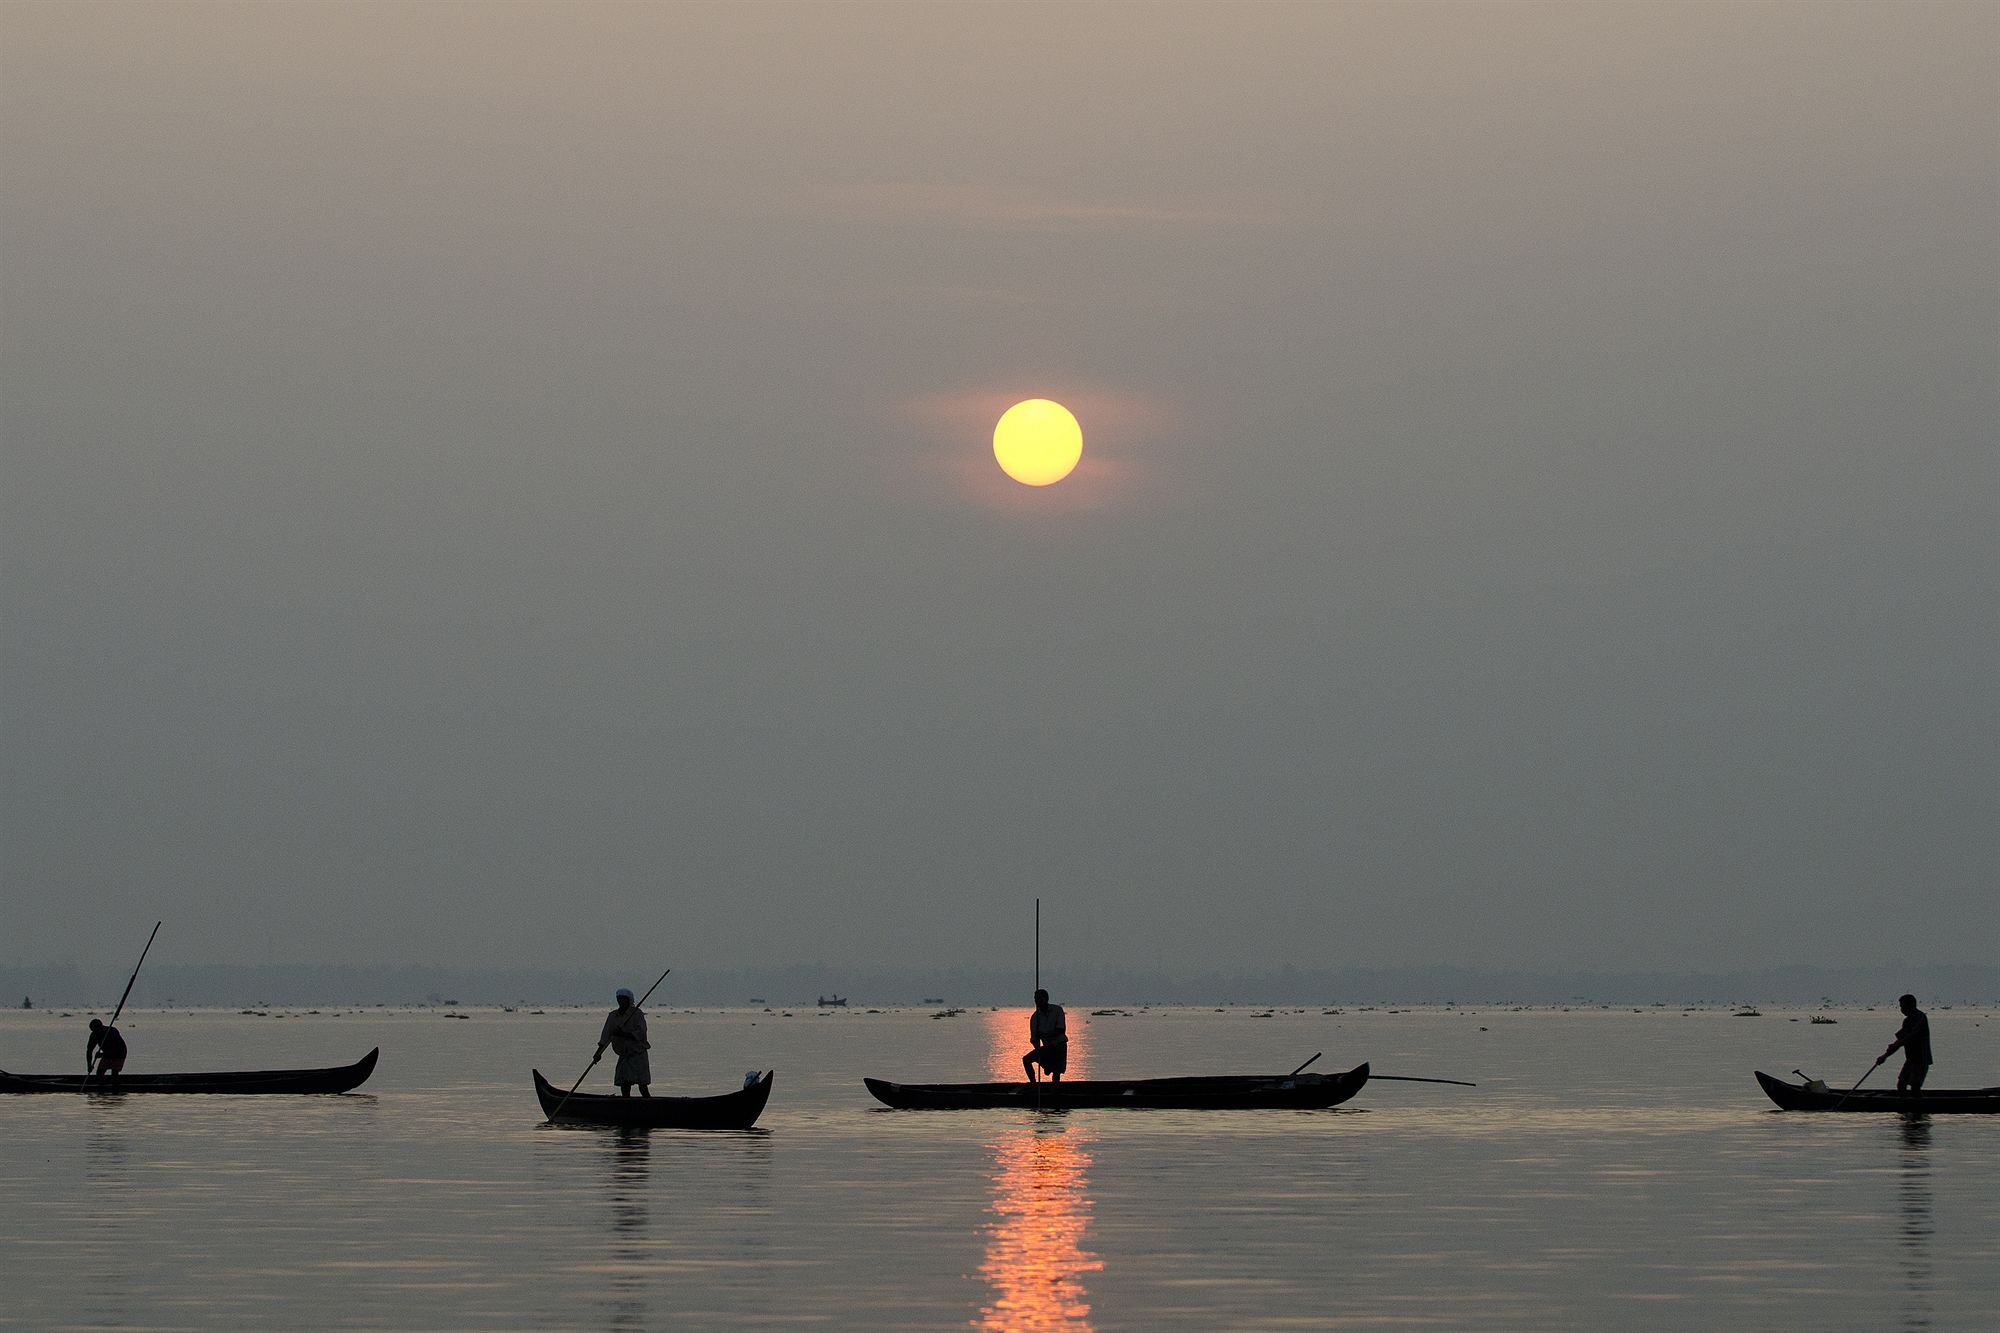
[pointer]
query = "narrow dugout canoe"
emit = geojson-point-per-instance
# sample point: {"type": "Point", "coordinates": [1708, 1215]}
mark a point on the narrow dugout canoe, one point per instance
{"type": "Point", "coordinates": [1251, 1092]}
{"type": "Point", "coordinates": [732, 1110]}
{"type": "Point", "coordinates": [1807, 1097]}
{"type": "Point", "coordinates": [344, 1078]}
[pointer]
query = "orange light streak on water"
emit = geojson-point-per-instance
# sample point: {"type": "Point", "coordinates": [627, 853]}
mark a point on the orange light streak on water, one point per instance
{"type": "Point", "coordinates": [1035, 1256]}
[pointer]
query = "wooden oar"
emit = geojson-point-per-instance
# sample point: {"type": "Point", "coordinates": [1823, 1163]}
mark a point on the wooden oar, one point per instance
{"type": "Point", "coordinates": [599, 1055]}
{"type": "Point", "coordinates": [1857, 1084]}
{"type": "Point", "coordinates": [1396, 1078]}
{"type": "Point", "coordinates": [127, 995]}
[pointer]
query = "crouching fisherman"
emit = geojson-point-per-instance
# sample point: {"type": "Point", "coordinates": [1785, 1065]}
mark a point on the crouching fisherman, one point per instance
{"type": "Point", "coordinates": [1048, 1040]}
{"type": "Point", "coordinates": [625, 1033]}
{"type": "Point", "coordinates": [104, 1052]}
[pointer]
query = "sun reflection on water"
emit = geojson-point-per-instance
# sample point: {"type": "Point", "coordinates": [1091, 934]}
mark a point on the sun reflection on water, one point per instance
{"type": "Point", "coordinates": [1035, 1256]}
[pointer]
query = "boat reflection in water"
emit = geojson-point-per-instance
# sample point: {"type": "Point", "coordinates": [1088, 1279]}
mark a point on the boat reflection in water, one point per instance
{"type": "Point", "coordinates": [627, 1178]}
{"type": "Point", "coordinates": [1918, 1221]}
{"type": "Point", "coordinates": [1035, 1256]}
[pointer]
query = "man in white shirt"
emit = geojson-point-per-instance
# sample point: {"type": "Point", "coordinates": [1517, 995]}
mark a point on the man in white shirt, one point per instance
{"type": "Point", "coordinates": [625, 1033]}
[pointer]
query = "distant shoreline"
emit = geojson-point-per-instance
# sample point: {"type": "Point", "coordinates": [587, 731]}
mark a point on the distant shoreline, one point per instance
{"type": "Point", "coordinates": [291, 987]}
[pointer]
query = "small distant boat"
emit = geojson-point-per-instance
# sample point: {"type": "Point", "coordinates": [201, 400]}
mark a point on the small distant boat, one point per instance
{"type": "Point", "coordinates": [1748, 1013]}
{"type": "Point", "coordinates": [1255, 1092]}
{"type": "Point", "coordinates": [1817, 1096]}
{"type": "Point", "coordinates": [732, 1110]}
{"type": "Point", "coordinates": [344, 1078]}
{"type": "Point", "coordinates": [1822, 1018]}
{"type": "Point", "coordinates": [832, 1002]}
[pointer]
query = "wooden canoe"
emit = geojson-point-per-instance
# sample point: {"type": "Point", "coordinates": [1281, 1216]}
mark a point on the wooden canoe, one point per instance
{"type": "Point", "coordinates": [1251, 1092]}
{"type": "Point", "coordinates": [732, 1110]}
{"type": "Point", "coordinates": [344, 1078]}
{"type": "Point", "coordinates": [1931, 1101]}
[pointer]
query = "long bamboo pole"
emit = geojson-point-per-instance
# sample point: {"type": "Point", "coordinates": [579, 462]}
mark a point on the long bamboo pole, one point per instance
{"type": "Point", "coordinates": [1038, 985]}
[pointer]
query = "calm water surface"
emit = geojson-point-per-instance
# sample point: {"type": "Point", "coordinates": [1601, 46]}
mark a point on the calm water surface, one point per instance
{"type": "Point", "coordinates": [1613, 1168]}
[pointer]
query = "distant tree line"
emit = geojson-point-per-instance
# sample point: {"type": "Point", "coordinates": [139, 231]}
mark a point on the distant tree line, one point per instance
{"type": "Point", "coordinates": [166, 985]}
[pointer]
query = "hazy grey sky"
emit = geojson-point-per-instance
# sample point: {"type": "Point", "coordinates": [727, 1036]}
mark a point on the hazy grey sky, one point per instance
{"type": "Point", "coordinates": [513, 483]}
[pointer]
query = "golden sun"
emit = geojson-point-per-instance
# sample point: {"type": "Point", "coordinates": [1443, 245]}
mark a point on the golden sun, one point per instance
{"type": "Point", "coordinates": [1037, 442]}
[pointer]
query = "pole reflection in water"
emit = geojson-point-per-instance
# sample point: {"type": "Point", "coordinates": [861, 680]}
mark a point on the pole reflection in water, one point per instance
{"type": "Point", "coordinates": [1035, 1256]}
{"type": "Point", "coordinates": [106, 1163]}
{"type": "Point", "coordinates": [108, 1171]}
{"type": "Point", "coordinates": [628, 1166]}
{"type": "Point", "coordinates": [1918, 1224]}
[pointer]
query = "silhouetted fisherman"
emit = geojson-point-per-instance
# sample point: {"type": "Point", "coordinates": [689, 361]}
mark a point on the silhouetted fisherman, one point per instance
{"type": "Point", "coordinates": [1048, 1034]}
{"type": "Point", "coordinates": [1914, 1037]}
{"type": "Point", "coordinates": [625, 1033]}
{"type": "Point", "coordinates": [105, 1047]}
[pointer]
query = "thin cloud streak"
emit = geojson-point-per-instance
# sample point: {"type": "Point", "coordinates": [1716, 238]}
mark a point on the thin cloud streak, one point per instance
{"type": "Point", "coordinates": [988, 206]}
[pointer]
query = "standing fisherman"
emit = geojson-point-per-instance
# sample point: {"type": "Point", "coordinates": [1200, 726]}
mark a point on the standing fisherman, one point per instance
{"type": "Point", "coordinates": [1048, 1037]}
{"type": "Point", "coordinates": [1915, 1039]}
{"type": "Point", "coordinates": [104, 1052]}
{"type": "Point", "coordinates": [625, 1032]}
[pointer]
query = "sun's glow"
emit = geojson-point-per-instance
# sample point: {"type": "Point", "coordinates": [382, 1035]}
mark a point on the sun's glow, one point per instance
{"type": "Point", "coordinates": [1037, 442]}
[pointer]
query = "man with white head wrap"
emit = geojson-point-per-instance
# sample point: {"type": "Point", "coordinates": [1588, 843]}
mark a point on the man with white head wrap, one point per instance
{"type": "Point", "coordinates": [625, 1033]}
